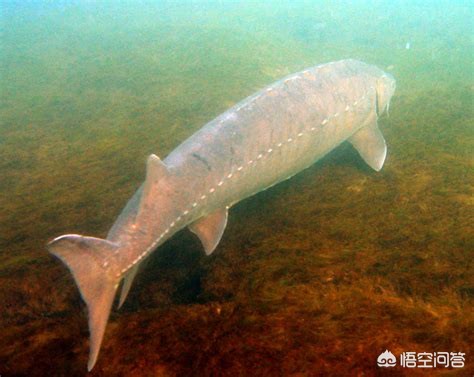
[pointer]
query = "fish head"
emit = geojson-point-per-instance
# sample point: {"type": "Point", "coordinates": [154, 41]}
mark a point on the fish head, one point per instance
{"type": "Point", "coordinates": [385, 88]}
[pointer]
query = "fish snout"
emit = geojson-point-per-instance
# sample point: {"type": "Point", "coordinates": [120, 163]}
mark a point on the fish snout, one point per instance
{"type": "Point", "coordinates": [386, 86]}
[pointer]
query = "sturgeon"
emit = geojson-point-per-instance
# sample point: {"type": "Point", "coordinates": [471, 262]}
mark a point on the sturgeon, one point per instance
{"type": "Point", "coordinates": [261, 141]}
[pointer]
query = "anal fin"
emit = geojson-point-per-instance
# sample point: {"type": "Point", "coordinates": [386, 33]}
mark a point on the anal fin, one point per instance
{"type": "Point", "coordinates": [370, 144]}
{"type": "Point", "coordinates": [127, 284]}
{"type": "Point", "coordinates": [210, 228]}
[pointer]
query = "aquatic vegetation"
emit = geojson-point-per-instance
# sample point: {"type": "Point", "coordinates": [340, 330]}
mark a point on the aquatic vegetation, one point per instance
{"type": "Point", "coordinates": [316, 276]}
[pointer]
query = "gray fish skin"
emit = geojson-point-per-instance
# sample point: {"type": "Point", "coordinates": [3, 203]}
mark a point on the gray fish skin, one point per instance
{"type": "Point", "coordinates": [263, 140]}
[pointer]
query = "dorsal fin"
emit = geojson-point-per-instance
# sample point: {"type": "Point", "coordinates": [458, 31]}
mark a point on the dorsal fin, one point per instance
{"type": "Point", "coordinates": [210, 228]}
{"type": "Point", "coordinates": [156, 170]}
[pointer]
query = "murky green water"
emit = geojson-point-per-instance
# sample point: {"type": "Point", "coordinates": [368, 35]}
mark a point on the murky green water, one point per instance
{"type": "Point", "coordinates": [316, 276]}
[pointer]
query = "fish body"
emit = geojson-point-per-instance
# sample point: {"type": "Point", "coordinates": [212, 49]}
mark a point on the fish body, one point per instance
{"type": "Point", "coordinates": [261, 141]}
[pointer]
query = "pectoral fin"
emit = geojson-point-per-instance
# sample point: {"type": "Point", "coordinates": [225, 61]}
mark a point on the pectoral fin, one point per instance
{"type": "Point", "coordinates": [210, 228]}
{"type": "Point", "coordinates": [370, 144]}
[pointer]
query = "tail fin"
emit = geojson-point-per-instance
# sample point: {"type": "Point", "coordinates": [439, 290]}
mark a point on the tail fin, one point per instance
{"type": "Point", "coordinates": [86, 258]}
